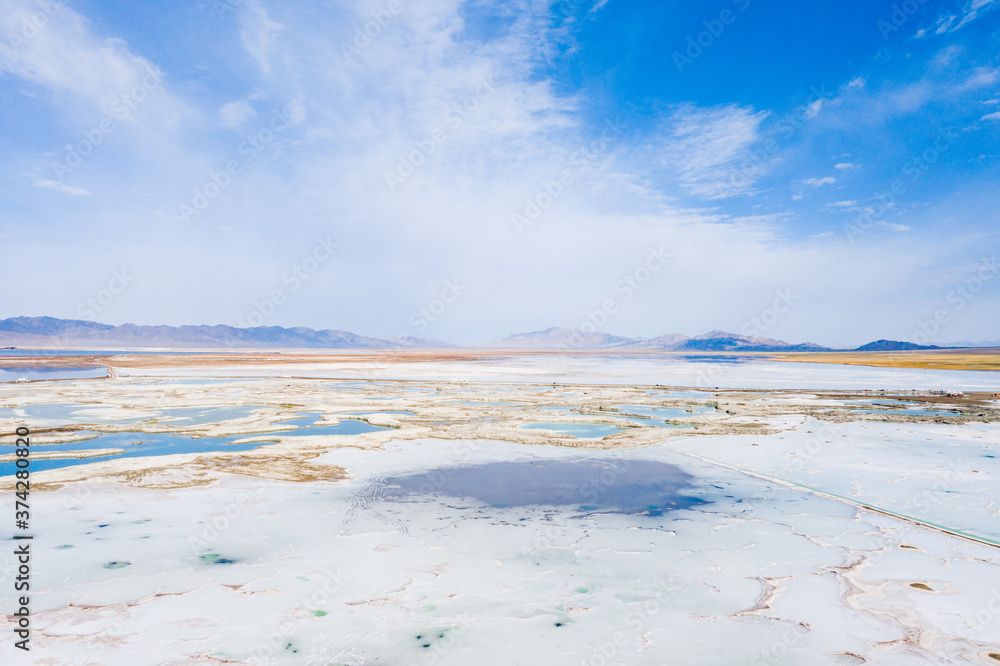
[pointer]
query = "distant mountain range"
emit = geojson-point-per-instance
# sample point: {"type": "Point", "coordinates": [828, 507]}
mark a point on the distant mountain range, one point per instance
{"type": "Point", "coordinates": [52, 332]}
{"type": "Point", "coordinates": [47, 332]}
{"type": "Point", "coordinates": [570, 339]}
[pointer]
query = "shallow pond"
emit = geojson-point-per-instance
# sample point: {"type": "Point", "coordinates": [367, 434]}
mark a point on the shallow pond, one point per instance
{"type": "Point", "coordinates": [591, 485]}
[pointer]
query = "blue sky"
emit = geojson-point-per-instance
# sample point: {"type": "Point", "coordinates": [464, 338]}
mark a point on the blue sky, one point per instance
{"type": "Point", "coordinates": [468, 170]}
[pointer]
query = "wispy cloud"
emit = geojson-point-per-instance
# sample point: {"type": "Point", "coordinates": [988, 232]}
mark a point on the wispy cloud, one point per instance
{"type": "Point", "coordinates": [66, 57]}
{"type": "Point", "coordinates": [61, 187]}
{"type": "Point", "coordinates": [707, 145]}
{"type": "Point", "coordinates": [259, 34]}
{"type": "Point", "coordinates": [972, 10]}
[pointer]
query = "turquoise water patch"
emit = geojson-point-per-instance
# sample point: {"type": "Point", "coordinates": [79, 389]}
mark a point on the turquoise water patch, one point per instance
{"type": "Point", "coordinates": [141, 444]}
{"type": "Point", "coordinates": [39, 373]}
{"type": "Point", "coordinates": [63, 412]}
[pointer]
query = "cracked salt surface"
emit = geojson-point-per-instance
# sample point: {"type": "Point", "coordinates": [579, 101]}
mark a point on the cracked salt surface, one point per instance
{"type": "Point", "coordinates": [941, 474]}
{"type": "Point", "coordinates": [263, 572]}
{"type": "Point", "coordinates": [184, 561]}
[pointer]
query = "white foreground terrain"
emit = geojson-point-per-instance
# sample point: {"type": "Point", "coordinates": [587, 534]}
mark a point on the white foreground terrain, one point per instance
{"type": "Point", "coordinates": [439, 513]}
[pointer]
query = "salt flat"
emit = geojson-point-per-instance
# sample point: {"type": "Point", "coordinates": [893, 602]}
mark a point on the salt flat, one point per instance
{"type": "Point", "coordinates": [770, 526]}
{"type": "Point", "coordinates": [703, 371]}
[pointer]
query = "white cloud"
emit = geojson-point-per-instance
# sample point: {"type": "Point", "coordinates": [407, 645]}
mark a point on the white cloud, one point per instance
{"type": "Point", "coordinates": [813, 109]}
{"type": "Point", "coordinates": [259, 34]}
{"type": "Point", "coordinates": [236, 114]}
{"type": "Point", "coordinates": [64, 56]}
{"type": "Point", "coordinates": [991, 116]}
{"type": "Point", "coordinates": [844, 204]}
{"type": "Point", "coordinates": [982, 77]}
{"type": "Point", "coordinates": [845, 165]}
{"type": "Point", "coordinates": [709, 146]}
{"type": "Point", "coordinates": [61, 187]}
{"type": "Point", "coordinates": [947, 56]}
{"type": "Point", "coordinates": [893, 226]}
{"type": "Point", "coordinates": [819, 182]}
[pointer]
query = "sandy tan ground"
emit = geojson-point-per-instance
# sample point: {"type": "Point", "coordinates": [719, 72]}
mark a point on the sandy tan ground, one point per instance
{"type": "Point", "coordinates": [945, 359]}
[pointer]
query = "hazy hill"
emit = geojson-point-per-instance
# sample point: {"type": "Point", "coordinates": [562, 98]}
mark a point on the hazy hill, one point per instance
{"type": "Point", "coordinates": [560, 338]}
{"type": "Point", "coordinates": [893, 345]}
{"type": "Point", "coordinates": [52, 332]}
{"type": "Point", "coordinates": [570, 339]}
